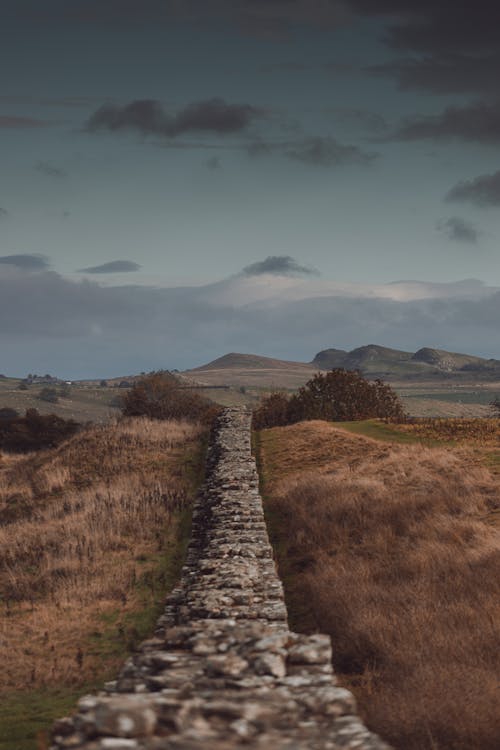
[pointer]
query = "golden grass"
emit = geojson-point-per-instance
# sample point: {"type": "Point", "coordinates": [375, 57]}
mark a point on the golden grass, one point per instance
{"type": "Point", "coordinates": [389, 547]}
{"type": "Point", "coordinates": [86, 528]}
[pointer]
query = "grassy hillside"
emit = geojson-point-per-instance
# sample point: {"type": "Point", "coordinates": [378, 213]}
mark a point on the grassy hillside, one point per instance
{"type": "Point", "coordinates": [92, 538]}
{"type": "Point", "coordinates": [393, 550]}
{"type": "Point", "coordinates": [84, 402]}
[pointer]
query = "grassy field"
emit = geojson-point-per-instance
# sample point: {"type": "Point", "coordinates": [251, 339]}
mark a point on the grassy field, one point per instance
{"type": "Point", "coordinates": [93, 536]}
{"type": "Point", "coordinates": [390, 543]}
{"type": "Point", "coordinates": [85, 402]}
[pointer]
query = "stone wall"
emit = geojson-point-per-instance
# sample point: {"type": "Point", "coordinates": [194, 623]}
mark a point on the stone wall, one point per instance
{"type": "Point", "coordinates": [223, 669]}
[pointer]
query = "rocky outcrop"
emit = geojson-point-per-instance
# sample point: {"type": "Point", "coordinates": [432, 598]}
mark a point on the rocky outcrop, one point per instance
{"type": "Point", "coordinates": [223, 669]}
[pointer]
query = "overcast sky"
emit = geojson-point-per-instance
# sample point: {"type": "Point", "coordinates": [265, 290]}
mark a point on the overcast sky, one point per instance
{"type": "Point", "coordinates": [184, 178]}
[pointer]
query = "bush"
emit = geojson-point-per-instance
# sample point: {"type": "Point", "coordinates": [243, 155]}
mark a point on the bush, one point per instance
{"type": "Point", "coordinates": [159, 395]}
{"type": "Point", "coordinates": [48, 394]}
{"type": "Point", "coordinates": [7, 414]}
{"type": "Point", "coordinates": [35, 431]}
{"type": "Point", "coordinates": [339, 395]}
{"type": "Point", "coordinates": [495, 405]}
{"type": "Point", "coordinates": [273, 412]}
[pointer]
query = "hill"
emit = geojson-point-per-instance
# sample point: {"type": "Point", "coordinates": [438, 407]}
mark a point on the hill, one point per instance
{"type": "Point", "coordinates": [252, 370]}
{"type": "Point", "coordinates": [430, 382]}
{"type": "Point", "coordinates": [380, 361]}
{"type": "Point", "coordinates": [247, 361]}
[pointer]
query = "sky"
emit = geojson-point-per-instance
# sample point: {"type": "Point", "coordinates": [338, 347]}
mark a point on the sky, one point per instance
{"type": "Point", "coordinates": [184, 178]}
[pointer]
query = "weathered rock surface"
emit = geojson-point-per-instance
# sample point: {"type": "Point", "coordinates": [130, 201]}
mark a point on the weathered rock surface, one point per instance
{"type": "Point", "coordinates": [223, 670]}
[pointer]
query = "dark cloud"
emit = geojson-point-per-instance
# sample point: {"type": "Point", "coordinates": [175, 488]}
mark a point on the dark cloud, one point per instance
{"type": "Point", "coordinates": [22, 123]}
{"type": "Point", "coordinates": [454, 46]}
{"type": "Point", "coordinates": [50, 170]}
{"type": "Point", "coordinates": [459, 230]}
{"type": "Point", "coordinates": [482, 191]}
{"type": "Point", "coordinates": [429, 26]}
{"type": "Point", "coordinates": [317, 151]}
{"type": "Point", "coordinates": [115, 266]}
{"type": "Point", "coordinates": [477, 122]}
{"type": "Point", "coordinates": [147, 116]}
{"type": "Point", "coordinates": [274, 19]}
{"type": "Point", "coordinates": [3, 213]}
{"type": "Point", "coordinates": [26, 262]}
{"type": "Point", "coordinates": [447, 74]}
{"type": "Point", "coordinates": [279, 265]}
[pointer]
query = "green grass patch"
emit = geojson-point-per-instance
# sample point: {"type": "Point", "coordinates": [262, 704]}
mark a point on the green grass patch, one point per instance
{"type": "Point", "coordinates": [377, 430]}
{"type": "Point", "coordinates": [25, 716]}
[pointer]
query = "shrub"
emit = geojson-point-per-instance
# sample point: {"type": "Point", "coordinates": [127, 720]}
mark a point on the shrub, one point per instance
{"type": "Point", "coordinates": [273, 412]}
{"type": "Point", "coordinates": [160, 396]}
{"type": "Point", "coordinates": [339, 395]}
{"type": "Point", "coordinates": [35, 431]}
{"type": "Point", "coordinates": [7, 414]}
{"type": "Point", "coordinates": [48, 394]}
{"type": "Point", "coordinates": [495, 405]}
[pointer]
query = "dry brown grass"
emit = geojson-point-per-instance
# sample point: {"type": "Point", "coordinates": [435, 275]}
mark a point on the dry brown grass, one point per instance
{"type": "Point", "coordinates": [83, 528]}
{"type": "Point", "coordinates": [389, 547]}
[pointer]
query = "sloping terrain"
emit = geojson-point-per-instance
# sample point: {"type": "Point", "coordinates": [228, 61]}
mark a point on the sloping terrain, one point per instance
{"type": "Point", "coordinates": [91, 537]}
{"type": "Point", "coordinates": [394, 550]}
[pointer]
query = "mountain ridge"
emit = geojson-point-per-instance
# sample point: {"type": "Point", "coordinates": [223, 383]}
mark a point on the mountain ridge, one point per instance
{"type": "Point", "coordinates": [372, 360]}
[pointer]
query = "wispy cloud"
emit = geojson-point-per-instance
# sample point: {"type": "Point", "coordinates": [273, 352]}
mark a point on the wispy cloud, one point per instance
{"type": "Point", "coordinates": [482, 191]}
{"type": "Point", "coordinates": [114, 266]}
{"type": "Point", "coordinates": [317, 151]}
{"type": "Point", "coordinates": [459, 230]}
{"type": "Point", "coordinates": [148, 117]}
{"type": "Point", "coordinates": [50, 170]}
{"type": "Point", "coordinates": [16, 122]}
{"type": "Point", "coordinates": [477, 122]}
{"type": "Point", "coordinates": [213, 163]}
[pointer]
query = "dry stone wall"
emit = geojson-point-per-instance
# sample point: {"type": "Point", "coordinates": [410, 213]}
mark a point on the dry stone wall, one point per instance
{"type": "Point", "coordinates": [223, 670]}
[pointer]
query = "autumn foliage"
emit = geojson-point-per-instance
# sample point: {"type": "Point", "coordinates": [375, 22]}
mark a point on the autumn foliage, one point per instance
{"type": "Point", "coordinates": [338, 395]}
{"type": "Point", "coordinates": [34, 431]}
{"type": "Point", "coordinates": [159, 395]}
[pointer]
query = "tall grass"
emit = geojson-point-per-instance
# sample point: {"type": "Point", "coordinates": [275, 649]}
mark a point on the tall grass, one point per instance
{"type": "Point", "coordinates": [391, 549]}
{"type": "Point", "coordinates": [85, 537]}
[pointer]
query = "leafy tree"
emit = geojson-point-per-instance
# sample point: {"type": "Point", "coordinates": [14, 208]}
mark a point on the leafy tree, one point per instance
{"type": "Point", "coordinates": [159, 395]}
{"type": "Point", "coordinates": [273, 412]}
{"type": "Point", "coordinates": [338, 395]}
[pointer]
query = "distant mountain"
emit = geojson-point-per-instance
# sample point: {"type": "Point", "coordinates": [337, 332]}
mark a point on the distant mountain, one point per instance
{"type": "Point", "coordinates": [235, 360]}
{"type": "Point", "coordinates": [380, 361]}
{"type": "Point", "coordinates": [372, 360]}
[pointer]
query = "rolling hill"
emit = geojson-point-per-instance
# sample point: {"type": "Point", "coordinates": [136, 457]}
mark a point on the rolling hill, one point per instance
{"type": "Point", "coordinates": [372, 360]}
